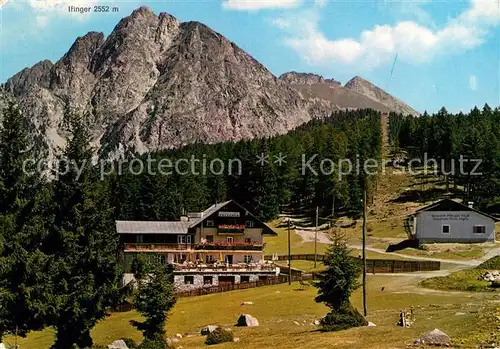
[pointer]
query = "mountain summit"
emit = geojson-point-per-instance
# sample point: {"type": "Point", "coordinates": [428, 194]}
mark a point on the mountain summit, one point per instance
{"type": "Point", "coordinates": [375, 93]}
{"type": "Point", "coordinates": [156, 83]}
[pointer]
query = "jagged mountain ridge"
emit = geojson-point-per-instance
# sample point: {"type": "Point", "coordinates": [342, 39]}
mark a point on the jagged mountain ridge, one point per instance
{"type": "Point", "coordinates": [357, 93]}
{"type": "Point", "coordinates": [156, 83]}
{"type": "Point", "coordinates": [377, 94]}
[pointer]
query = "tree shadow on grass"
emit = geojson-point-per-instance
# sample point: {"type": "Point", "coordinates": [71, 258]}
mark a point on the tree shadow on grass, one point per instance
{"type": "Point", "coordinates": [402, 245]}
{"type": "Point", "coordinates": [138, 324]}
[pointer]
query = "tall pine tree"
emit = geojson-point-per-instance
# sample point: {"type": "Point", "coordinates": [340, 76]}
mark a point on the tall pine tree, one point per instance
{"type": "Point", "coordinates": [82, 244]}
{"type": "Point", "coordinates": [24, 290]}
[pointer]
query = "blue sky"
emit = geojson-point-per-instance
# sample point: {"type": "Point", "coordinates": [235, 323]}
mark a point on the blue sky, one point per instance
{"type": "Point", "coordinates": [448, 52]}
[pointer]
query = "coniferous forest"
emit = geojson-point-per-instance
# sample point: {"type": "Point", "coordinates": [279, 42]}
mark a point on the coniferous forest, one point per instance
{"type": "Point", "coordinates": [59, 251]}
{"type": "Point", "coordinates": [466, 148]}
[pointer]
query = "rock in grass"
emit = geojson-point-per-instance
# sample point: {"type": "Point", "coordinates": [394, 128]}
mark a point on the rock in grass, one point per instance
{"type": "Point", "coordinates": [435, 337]}
{"type": "Point", "coordinates": [236, 339]}
{"type": "Point", "coordinates": [118, 344]}
{"type": "Point", "coordinates": [208, 329]}
{"type": "Point", "coordinates": [247, 303]}
{"type": "Point", "coordinates": [247, 320]}
{"type": "Point", "coordinates": [371, 324]}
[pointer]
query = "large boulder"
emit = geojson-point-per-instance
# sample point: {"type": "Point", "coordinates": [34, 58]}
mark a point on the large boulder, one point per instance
{"type": "Point", "coordinates": [435, 337]}
{"type": "Point", "coordinates": [208, 329]}
{"type": "Point", "coordinates": [247, 320]}
{"type": "Point", "coordinates": [118, 344]}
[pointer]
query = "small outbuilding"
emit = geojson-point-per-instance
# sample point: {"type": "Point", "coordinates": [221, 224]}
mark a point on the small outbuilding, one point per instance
{"type": "Point", "coordinates": [451, 221]}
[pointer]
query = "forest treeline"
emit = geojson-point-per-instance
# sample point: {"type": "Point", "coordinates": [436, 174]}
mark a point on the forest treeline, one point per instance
{"type": "Point", "coordinates": [308, 175]}
{"type": "Point", "coordinates": [466, 148]}
{"type": "Point", "coordinates": [60, 255]}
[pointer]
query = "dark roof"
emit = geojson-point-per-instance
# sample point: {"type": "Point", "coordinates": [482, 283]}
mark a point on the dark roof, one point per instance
{"type": "Point", "coordinates": [152, 227]}
{"type": "Point", "coordinates": [214, 208]}
{"type": "Point", "coordinates": [179, 227]}
{"type": "Point", "coordinates": [208, 212]}
{"type": "Point", "coordinates": [451, 205]}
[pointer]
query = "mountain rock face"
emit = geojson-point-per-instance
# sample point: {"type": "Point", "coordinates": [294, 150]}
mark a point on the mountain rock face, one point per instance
{"type": "Point", "coordinates": [306, 79]}
{"type": "Point", "coordinates": [375, 93]}
{"type": "Point", "coordinates": [329, 94]}
{"type": "Point", "coordinates": [356, 94]}
{"type": "Point", "coordinates": [156, 83]}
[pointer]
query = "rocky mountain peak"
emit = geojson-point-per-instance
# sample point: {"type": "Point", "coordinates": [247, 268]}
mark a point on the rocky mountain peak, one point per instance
{"type": "Point", "coordinates": [155, 83]}
{"type": "Point", "coordinates": [377, 94]}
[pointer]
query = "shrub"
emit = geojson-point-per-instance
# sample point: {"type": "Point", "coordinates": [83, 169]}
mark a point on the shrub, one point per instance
{"type": "Point", "coordinates": [490, 264]}
{"type": "Point", "coordinates": [342, 320]}
{"type": "Point", "coordinates": [220, 335]}
{"type": "Point", "coordinates": [158, 343]}
{"type": "Point", "coordinates": [131, 344]}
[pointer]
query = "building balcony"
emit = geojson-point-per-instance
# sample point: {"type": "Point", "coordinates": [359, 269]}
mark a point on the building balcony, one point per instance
{"type": "Point", "coordinates": [206, 246]}
{"type": "Point", "coordinates": [231, 246]}
{"type": "Point", "coordinates": [152, 246]}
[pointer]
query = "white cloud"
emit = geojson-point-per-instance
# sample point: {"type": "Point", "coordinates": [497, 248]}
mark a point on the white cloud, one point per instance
{"type": "Point", "coordinates": [255, 5]}
{"type": "Point", "coordinates": [473, 82]}
{"type": "Point", "coordinates": [413, 42]}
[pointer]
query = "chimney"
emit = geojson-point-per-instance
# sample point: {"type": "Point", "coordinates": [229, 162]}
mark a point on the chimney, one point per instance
{"type": "Point", "coordinates": [470, 204]}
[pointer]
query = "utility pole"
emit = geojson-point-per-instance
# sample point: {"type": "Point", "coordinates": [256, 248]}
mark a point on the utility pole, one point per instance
{"type": "Point", "coordinates": [289, 256]}
{"type": "Point", "coordinates": [364, 252]}
{"type": "Point", "coordinates": [316, 239]}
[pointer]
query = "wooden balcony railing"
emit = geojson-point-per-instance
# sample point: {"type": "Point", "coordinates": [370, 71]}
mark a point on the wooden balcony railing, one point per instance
{"type": "Point", "coordinates": [145, 246]}
{"type": "Point", "coordinates": [224, 267]}
{"type": "Point", "coordinates": [231, 246]}
{"type": "Point", "coordinates": [207, 246]}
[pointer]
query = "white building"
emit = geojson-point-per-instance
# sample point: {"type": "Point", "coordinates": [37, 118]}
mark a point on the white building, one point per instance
{"type": "Point", "coordinates": [451, 221]}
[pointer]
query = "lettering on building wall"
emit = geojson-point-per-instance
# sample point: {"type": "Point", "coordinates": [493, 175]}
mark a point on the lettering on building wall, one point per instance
{"type": "Point", "coordinates": [450, 216]}
{"type": "Point", "coordinates": [228, 214]}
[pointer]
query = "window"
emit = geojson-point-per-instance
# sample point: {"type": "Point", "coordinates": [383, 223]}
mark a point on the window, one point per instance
{"type": "Point", "coordinates": [262, 278]}
{"type": "Point", "coordinates": [245, 278]}
{"type": "Point", "coordinates": [207, 280]}
{"type": "Point", "coordinates": [479, 229]}
{"type": "Point", "coordinates": [210, 223]}
{"type": "Point", "coordinates": [247, 259]}
{"type": "Point", "coordinates": [189, 280]}
{"type": "Point", "coordinates": [183, 239]}
{"type": "Point", "coordinates": [232, 221]}
{"type": "Point", "coordinates": [230, 239]}
{"type": "Point", "coordinates": [249, 224]}
{"type": "Point", "coordinates": [139, 238]}
{"type": "Point", "coordinates": [248, 240]}
{"type": "Point", "coordinates": [209, 238]}
{"type": "Point", "coordinates": [445, 229]}
{"type": "Point", "coordinates": [209, 259]}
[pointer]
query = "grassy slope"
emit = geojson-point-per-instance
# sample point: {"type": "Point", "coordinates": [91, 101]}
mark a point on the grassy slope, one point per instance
{"type": "Point", "coordinates": [277, 307]}
{"type": "Point", "coordinates": [465, 280]}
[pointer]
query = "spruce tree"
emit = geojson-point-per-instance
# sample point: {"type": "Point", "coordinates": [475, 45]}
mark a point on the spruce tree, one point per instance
{"type": "Point", "coordinates": [154, 296]}
{"type": "Point", "coordinates": [335, 286]}
{"type": "Point", "coordinates": [82, 244]}
{"type": "Point", "coordinates": [24, 290]}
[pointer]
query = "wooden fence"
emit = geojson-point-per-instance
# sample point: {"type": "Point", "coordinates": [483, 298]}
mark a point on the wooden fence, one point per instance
{"type": "Point", "coordinates": [375, 266]}
{"type": "Point", "coordinates": [245, 285]}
